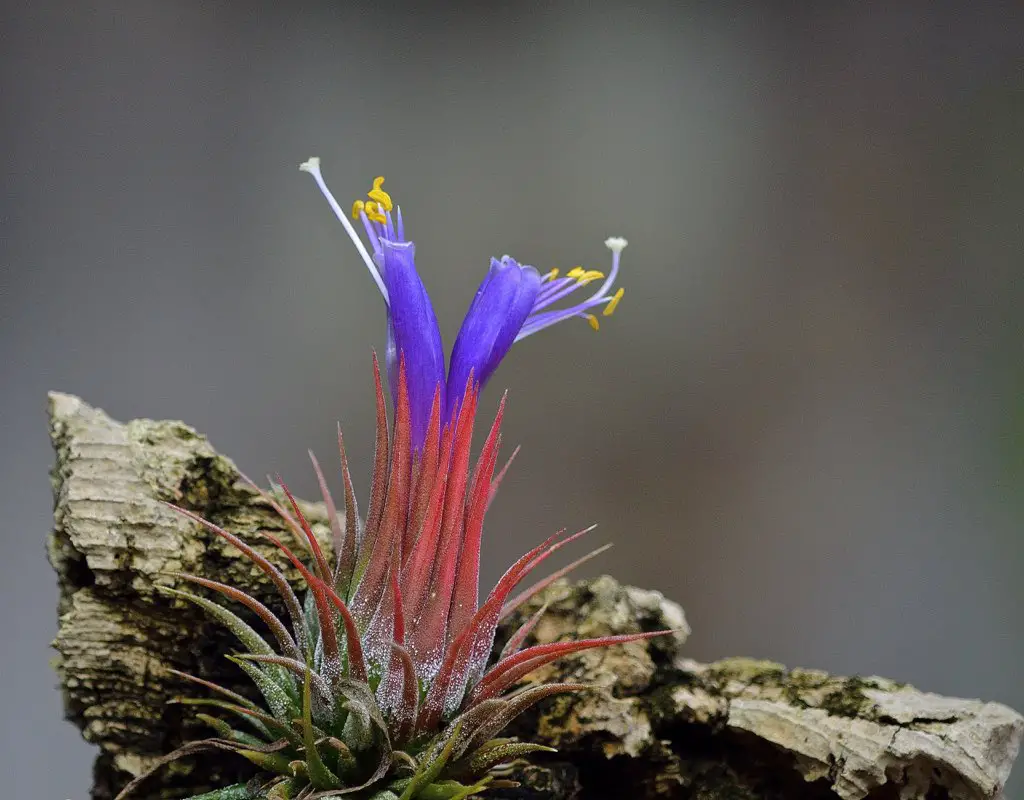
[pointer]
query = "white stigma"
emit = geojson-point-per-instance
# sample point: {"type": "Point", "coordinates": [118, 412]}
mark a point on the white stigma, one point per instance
{"type": "Point", "coordinates": [616, 244]}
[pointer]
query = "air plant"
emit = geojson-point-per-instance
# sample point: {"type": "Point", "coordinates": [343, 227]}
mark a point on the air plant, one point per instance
{"type": "Point", "coordinates": [381, 685]}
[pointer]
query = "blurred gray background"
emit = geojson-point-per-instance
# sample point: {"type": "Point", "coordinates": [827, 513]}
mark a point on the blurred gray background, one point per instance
{"type": "Point", "coordinates": [805, 421]}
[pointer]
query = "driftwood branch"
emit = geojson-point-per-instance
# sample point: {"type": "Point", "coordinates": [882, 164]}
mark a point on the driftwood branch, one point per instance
{"type": "Point", "coordinates": [662, 726]}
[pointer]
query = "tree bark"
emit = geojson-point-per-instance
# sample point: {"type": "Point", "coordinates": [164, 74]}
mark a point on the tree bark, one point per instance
{"type": "Point", "coordinates": [659, 726]}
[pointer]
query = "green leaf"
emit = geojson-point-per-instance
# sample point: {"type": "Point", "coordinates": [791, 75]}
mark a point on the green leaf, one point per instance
{"type": "Point", "coordinates": [251, 718]}
{"type": "Point", "coordinates": [284, 790]}
{"type": "Point", "coordinates": [278, 763]}
{"type": "Point", "coordinates": [238, 791]}
{"type": "Point", "coordinates": [225, 731]}
{"type": "Point", "coordinates": [451, 790]}
{"type": "Point", "coordinates": [280, 704]}
{"type": "Point", "coordinates": [347, 766]}
{"type": "Point", "coordinates": [319, 775]}
{"type": "Point", "coordinates": [221, 728]}
{"type": "Point", "coordinates": [268, 727]}
{"type": "Point", "coordinates": [431, 767]}
{"type": "Point", "coordinates": [239, 627]}
{"type": "Point", "coordinates": [499, 750]}
{"type": "Point", "coordinates": [309, 613]}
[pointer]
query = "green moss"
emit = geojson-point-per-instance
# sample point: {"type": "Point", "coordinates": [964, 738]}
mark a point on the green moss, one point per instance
{"type": "Point", "coordinates": [847, 700]}
{"type": "Point", "coordinates": [749, 671]}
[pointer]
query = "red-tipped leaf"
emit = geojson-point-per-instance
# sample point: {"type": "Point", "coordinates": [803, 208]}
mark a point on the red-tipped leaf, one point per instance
{"type": "Point", "coordinates": [381, 454]}
{"type": "Point", "coordinates": [509, 670]}
{"type": "Point", "coordinates": [337, 532]}
{"type": "Point", "coordinates": [467, 582]}
{"type": "Point", "coordinates": [356, 660]}
{"type": "Point", "coordinates": [275, 575]}
{"type": "Point", "coordinates": [322, 567]}
{"type": "Point", "coordinates": [376, 560]}
{"type": "Point", "coordinates": [347, 557]}
{"type": "Point", "coordinates": [426, 474]}
{"type": "Point", "coordinates": [284, 639]}
{"type": "Point", "coordinates": [327, 629]}
{"type": "Point", "coordinates": [544, 583]}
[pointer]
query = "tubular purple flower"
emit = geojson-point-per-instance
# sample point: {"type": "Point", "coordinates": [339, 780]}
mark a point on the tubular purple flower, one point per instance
{"type": "Point", "coordinates": [413, 334]}
{"type": "Point", "coordinates": [500, 307]}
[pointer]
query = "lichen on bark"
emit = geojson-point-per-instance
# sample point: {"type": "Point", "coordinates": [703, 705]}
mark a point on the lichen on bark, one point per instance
{"type": "Point", "coordinates": [656, 725]}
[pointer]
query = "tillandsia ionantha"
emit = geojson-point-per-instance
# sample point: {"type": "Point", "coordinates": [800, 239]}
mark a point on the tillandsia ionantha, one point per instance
{"type": "Point", "coordinates": [382, 684]}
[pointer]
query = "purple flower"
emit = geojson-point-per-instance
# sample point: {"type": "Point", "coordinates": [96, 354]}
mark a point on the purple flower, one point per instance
{"type": "Point", "coordinates": [513, 301]}
{"type": "Point", "coordinates": [502, 304]}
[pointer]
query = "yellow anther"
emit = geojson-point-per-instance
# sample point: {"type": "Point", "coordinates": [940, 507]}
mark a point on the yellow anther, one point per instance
{"type": "Point", "coordinates": [588, 276]}
{"type": "Point", "coordinates": [593, 321]}
{"type": "Point", "coordinates": [551, 275]}
{"type": "Point", "coordinates": [372, 210]}
{"type": "Point", "coordinates": [378, 194]}
{"type": "Point", "coordinates": [575, 272]}
{"type": "Point", "coordinates": [613, 303]}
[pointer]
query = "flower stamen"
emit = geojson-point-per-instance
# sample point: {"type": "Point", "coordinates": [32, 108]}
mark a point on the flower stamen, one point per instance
{"type": "Point", "coordinates": [312, 166]}
{"type": "Point", "coordinates": [556, 289]}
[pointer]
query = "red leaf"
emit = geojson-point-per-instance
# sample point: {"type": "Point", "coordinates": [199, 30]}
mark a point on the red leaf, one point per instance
{"type": "Point", "coordinates": [379, 552]}
{"type": "Point", "coordinates": [347, 557]}
{"type": "Point", "coordinates": [511, 669]}
{"type": "Point", "coordinates": [430, 634]}
{"type": "Point", "coordinates": [322, 567]}
{"type": "Point", "coordinates": [543, 584]}
{"type": "Point", "coordinates": [467, 581]}
{"type": "Point", "coordinates": [337, 534]}
{"type": "Point", "coordinates": [426, 474]}
{"type": "Point", "coordinates": [501, 476]}
{"type": "Point", "coordinates": [467, 655]}
{"type": "Point", "coordinates": [406, 713]}
{"type": "Point", "coordinates": [327, 630]}
{"type": "Point", "coordinates": [515, 641]}
{"type": "Point", "coordinates": [513, 707]}
{"type": "Point", "coordinates": [381, 453]}
{"type": "Point", "coordinates": [356, 660]}
{"type": "Point", "coordinates": [415, 578]}
{"type": "Point", "coordinates": [282, 512]}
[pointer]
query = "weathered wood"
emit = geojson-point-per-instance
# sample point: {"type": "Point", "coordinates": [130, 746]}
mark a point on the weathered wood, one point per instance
{"type": "Point", "coordinates": [669, 727]}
